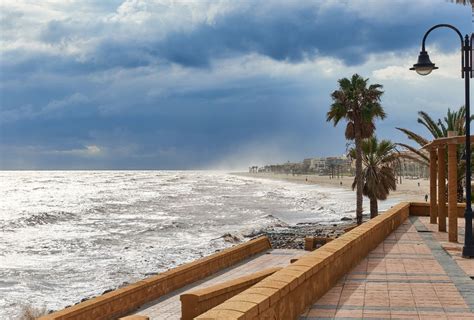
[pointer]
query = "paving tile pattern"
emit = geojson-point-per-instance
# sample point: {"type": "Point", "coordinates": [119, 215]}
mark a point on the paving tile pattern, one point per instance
{"type": "Point", "coordinates": [169, 307]}
{"type": "Point", "coordinates": [454, 249]}
{"type": "Point", "coordinates": [408, 276]}
{"type": "Point", "coordinates": [457, 274]}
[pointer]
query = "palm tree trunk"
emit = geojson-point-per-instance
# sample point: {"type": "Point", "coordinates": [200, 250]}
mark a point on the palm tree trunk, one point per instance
{"type": "Point", "coordinates": [374, 208]}
{"type": "Point", "coordinates": [360, 182]}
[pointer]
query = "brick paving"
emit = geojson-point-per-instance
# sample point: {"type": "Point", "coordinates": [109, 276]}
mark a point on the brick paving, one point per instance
{"type": "Point", "coordinates": [414, 274]}
{"type": "Point", "coordinates": [454, 249]}
{"type": "Point", "coordinates": [169, 306]}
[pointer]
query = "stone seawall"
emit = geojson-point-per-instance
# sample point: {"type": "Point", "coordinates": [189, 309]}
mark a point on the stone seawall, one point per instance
{"type": "Point", "coordinates": [423, 209]}
{"type": "Point", "coordinates": [288, 292]}
{"type": "Point", "coordinates": [124, 300]}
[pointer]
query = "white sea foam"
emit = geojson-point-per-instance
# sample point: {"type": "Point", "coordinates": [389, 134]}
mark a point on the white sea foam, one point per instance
{"type": "Point", "coordinates": [73, 234]}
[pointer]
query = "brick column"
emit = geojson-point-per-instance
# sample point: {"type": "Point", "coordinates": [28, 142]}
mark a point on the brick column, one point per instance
{"type": "Point", "coordinates": [442, 188]}
{"type": "Point", "coordinates": [452, 192]}
{"type": "Point", "coordinates": [433, 195]}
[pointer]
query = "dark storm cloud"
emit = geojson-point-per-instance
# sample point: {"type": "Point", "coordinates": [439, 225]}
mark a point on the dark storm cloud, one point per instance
{"type": "Point", "coordinates": [196, 127]}
{"type": "Point", "coordinates": [291, 36]}
{"type": "Point", "coordinates": [291, 33]}
{"type": "Point", "coordinates": [153, 96]}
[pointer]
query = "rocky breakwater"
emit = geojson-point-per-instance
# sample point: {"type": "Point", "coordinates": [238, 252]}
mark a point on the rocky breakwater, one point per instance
{"type": "Point", "coordinates": [285, 236]}
{"type": "Point", "coordinates": [292, 237]}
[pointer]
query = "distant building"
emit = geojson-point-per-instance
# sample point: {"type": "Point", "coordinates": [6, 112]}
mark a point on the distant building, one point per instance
{"type": "Point", "coordinates": [330, 165]}
{"type": "Point", "coordinates": [317, 165]}
{"type": "Point", "coordinates": [338, 165]}
{"type": "Point", "coordinates": [409, 166]}
{"type": "Point", "coordinates": [412, 168]}
{"type": "Point", "coordinates": [253, 169]}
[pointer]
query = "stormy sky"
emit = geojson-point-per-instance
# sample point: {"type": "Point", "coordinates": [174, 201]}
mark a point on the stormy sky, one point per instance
{"type": "Point", "coordinates": [160, 84]}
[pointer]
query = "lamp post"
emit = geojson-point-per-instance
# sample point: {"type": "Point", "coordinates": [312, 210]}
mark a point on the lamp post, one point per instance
{"type": "Point", "coordinates": [424, 66]}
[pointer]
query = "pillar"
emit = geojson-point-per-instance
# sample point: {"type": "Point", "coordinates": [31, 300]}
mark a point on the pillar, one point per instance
{"type": "Point", "coordinates": [452, 193]}
{"type": "Point", "coordinates": [442, 188]}
{"type": "Point", "coordinates": [433, 195]}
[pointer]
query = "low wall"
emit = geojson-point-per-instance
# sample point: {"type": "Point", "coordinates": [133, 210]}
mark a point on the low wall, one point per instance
{"type": "Point", "coordinates": [196, 302]}
{"type": "Point", "coordinates": [124, 300]}
{"type": "Point", "coordinates": [290, 291]}
{"type": "Point", "coordinates": [423, 209]}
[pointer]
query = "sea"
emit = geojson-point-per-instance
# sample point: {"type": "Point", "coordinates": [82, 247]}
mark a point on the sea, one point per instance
{"type": "Point", "coordinates": [69, 235]}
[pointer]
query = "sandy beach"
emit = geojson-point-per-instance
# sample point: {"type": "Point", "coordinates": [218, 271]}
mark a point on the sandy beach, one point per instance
{"type": "Point", "coordinates": [409, 189]}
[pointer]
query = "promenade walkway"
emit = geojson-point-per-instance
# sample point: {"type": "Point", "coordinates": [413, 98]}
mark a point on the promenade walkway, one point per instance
{"type": "Point", "coordinates": [169, 307]}
{"type": "Point", "coordinates": [414, 274]}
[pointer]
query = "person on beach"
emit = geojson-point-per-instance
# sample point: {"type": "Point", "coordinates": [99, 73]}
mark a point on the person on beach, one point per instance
{"type": "Point", "coordinates": [426, 198]}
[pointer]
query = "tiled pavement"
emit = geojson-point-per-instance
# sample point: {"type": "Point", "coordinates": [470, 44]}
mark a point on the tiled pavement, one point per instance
{"type": "Point", "coordinates": [408, 276]}
{"type": "Point", "coordinates": [169, 307]}
{"type": "Point", "coordinates": [454, 249]}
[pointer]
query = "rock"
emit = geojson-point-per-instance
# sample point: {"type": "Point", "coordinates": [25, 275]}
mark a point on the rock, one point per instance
{"type": "Point", "coordinates": [253, 233]}
{"type": "Point", "coordinates": [292, 237]}
{"type": "Point", "coordinates": [346, 219]}
{"type": "Point", "coordinates": [231, 238]}
{"type": "Point", "coordinates": [107, 291]}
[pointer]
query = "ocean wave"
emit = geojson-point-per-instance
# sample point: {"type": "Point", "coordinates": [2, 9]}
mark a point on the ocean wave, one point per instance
{"type": "Point", "coordinates": [49, 217]}
{"type": "Point", "coordinates": [175, 179]}
{"type": "Point", "coordinates": [258, 225]}
{"type": "Point", "coordinates": [41, 218]}
{"type": "Point", "coordinates": [116, 229]}
{"type": "Point", "coordinates": [166, 226]}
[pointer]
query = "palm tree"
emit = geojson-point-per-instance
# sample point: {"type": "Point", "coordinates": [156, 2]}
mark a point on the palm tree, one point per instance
{"type": "Point", "coordinates": [380, 159]}
{"type": "Point", "coordinates": [359, 104]}
{"type": "Point", "coordinates": [463, 2]}
{"type": "Point", "coordinates": [453, 121]}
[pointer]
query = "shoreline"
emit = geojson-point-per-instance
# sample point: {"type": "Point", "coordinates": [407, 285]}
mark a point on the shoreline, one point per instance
{"type": "Point", "coordinates": [292, 236]}
{"type": "Point", "coordinates": [408, 190]}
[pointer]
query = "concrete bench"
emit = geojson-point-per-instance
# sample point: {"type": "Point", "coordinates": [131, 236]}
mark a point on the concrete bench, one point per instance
{"type": "Point", "coordinates": [194, 303]}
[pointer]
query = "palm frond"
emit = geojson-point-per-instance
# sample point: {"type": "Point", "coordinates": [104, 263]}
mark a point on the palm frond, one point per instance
{"type": "Point", "coordinates": [415, 151]}
{"type": "Point", "coordinates": [463, 2]}
{"type": "Point", "coordinates": [443, 127]}
{"type": "Point", "coordinates": [413, 136]}
{"type": "Point", "coordinates": [337, 112]}
{"type": "Point", "coordinates": [430, 124]}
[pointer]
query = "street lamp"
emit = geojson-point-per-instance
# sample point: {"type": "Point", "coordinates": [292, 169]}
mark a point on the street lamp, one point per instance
{"type": "Point", "coordinates": [424, 66]}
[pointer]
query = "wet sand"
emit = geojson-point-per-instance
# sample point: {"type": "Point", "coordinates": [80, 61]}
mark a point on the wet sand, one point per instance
{"type": "Point", "coordinates": [409, 189]}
